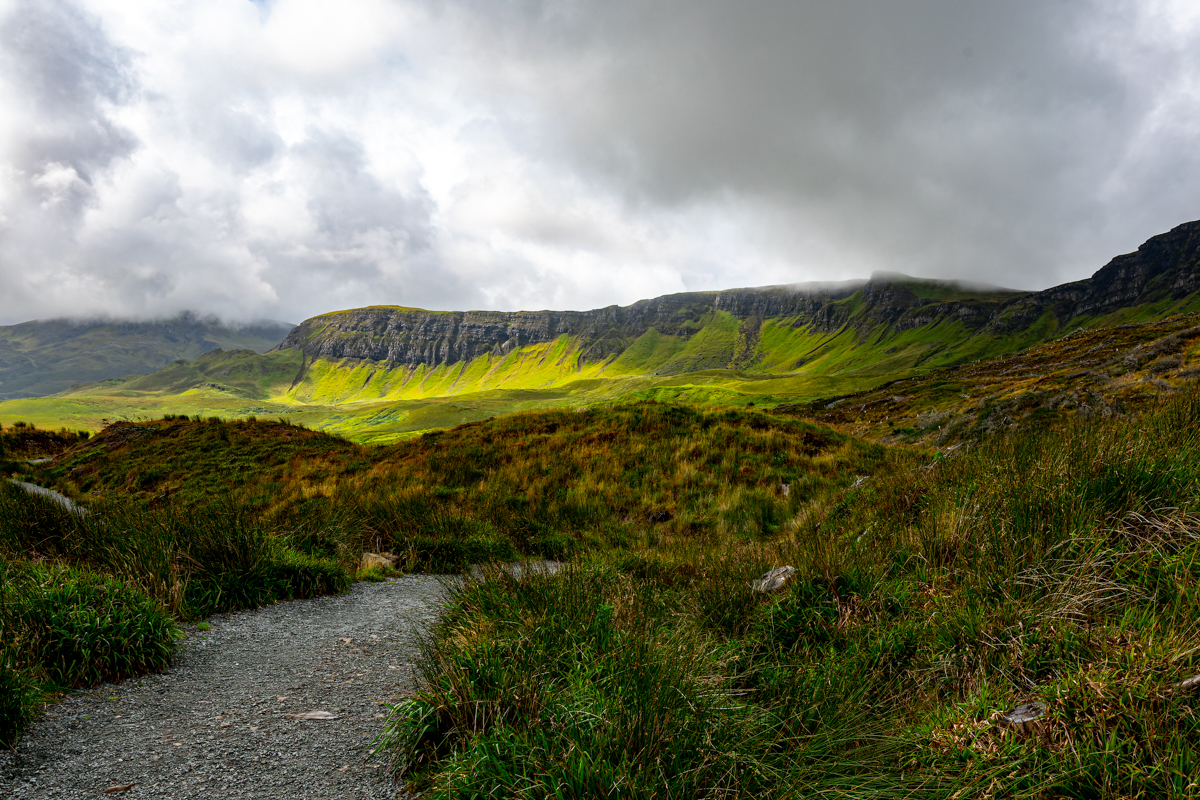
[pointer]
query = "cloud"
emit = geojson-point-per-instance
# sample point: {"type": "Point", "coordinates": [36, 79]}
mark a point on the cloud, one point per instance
{"type": "Point", "coordinates": [937, 137]}
{"type": "Point", "coordinates": [283, 158]}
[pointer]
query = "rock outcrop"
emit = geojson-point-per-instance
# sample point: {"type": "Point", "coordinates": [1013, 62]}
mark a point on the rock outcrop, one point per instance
{"type": "Point", "coordinates": [411, 336]}
{"type": "Point", "coordinates": [1166, 266]}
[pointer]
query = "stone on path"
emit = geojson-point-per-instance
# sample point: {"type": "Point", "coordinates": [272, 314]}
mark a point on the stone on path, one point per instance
{"type": "Point", "coordinates": [378, 560]}
{"type": "Point", "coordinates": [312, 715]}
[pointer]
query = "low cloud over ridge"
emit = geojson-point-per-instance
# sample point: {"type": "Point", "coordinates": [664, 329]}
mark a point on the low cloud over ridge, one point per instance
{"type": "Point", "coordinates": [284, 158]}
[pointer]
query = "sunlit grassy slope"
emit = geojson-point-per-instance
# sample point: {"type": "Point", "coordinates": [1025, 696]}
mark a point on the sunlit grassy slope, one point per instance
{"type": "Point", "coordinates": [1095, 373]}
{"type": "Point", "coordinates": [723, 362]}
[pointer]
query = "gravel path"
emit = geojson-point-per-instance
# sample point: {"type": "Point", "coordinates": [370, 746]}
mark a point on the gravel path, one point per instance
{"type": "Point", "coordinates": [50, 494]}
{"type": "Point", "coordinates": [215, 725]}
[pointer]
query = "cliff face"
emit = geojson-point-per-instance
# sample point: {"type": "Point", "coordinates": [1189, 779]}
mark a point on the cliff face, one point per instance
{"type": "Point", "coordinates": [1165, 266]}
{"type": "Point", "coordinates": [409, 336]}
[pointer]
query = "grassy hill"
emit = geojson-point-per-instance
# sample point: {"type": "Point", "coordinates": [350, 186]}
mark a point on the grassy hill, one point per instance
{"type": "Point", "coordinates": [381, 373]}
{"type": "Point", "coordinates": [574, 472]}
{"type": "Point", "coordinates": [933, 592]}
{"type": "Point", "coordinates": [44, 357]}
{"type": "Point", "coordinates": [1088, 374]}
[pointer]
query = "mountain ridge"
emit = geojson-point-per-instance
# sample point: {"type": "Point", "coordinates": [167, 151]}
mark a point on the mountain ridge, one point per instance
{"type": "Point", "coordinates": [410, 337]}
{"type": "Point", "coordinates": [383, 372]}
{"type": "Point", "coordinates": [43, 357]}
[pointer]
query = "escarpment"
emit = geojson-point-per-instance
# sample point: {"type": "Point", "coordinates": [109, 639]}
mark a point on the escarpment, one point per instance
{"type": "Point", "coordinates": [411, 336]}
{"type": "Point", "coordinates": [1165, 267]}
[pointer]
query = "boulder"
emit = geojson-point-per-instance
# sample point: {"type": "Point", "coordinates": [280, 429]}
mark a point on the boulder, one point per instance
{"type": "Point", "coordinates": [379, 561]}
{"type": "Point", "coordinates": [1023, 720]}
{"type": "Point", "coordinates": [775, 579]}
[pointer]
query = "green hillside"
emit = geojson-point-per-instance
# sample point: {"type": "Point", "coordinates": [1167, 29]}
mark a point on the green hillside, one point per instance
{"type": "Point", "coordinates": [380, 373]}
{"type": "Point", "coordinates": [44, 357]}
{"type": "Point", "coordinates": [373, 402]}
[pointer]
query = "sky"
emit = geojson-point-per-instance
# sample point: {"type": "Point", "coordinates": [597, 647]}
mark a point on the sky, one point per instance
{"type": "Point", "coordinates": [283, 158]}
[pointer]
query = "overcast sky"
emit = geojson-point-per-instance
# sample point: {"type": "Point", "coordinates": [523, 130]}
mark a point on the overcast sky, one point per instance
{"type": "Point", "coordinates": [282, 158]}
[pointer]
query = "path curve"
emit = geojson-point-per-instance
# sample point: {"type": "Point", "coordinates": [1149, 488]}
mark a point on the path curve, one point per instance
{"type": "Point", "coordinates": [215, 724]}
{"type": "Point", "coordinates": [50, 494]}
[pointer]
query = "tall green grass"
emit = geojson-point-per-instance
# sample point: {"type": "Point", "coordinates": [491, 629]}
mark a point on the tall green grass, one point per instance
{"type": "Point", "coordinates": [1059, 567]}
{"type": "Point", "coordinates": [79, 628]}
{"type": "Point", "coordinates": [192, 562]}
{"type": "Point", "coordinates": [92, 597]}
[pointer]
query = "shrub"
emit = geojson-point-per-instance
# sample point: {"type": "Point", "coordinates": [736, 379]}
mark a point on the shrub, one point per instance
{"type": "Point", "coordinates": [83, 629]}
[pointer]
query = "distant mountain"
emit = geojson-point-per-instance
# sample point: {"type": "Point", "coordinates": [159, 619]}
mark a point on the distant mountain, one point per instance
{"type": "Point", "coordinates": [44, 357]}
{"type": "Point", "coordinates": [385, 371]}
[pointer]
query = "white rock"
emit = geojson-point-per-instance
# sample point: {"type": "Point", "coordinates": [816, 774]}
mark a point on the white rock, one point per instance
{"type": "Point", "coordinates": [773, 580]}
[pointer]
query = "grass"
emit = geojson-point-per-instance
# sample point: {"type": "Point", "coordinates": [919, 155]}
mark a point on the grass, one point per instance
{"type": "Point", "coordinates": [1098, 372]}
{"type": "Point", "coordinates": [1053, 561]}
{"type": "Point", "coordinates": [95, 597]}
{"type": "Point", "coordinates": [64, 628]}
{"type": "Point", "coordinates": [21, 440]}
{"type": "Point", "coordinates": [80, 628]}
{"type": "Point", "coordinates": [1056, 566]}
{"type": "Point", "coordinates": [544, 483]}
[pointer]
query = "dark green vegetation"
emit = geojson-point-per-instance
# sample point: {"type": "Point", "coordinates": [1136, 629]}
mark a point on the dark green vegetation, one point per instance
{"type": "Point", "coordinates": [1059, 566]}
{"type": "Point", "coordinates": [93, 597]}
{"type": "Point", "coordinates": [23, 441]}
{"type": "Point", "coordinates": [47, 356]}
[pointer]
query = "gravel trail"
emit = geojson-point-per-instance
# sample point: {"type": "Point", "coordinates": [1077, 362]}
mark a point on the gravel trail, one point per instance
{"type": "Point", "coordinates": [215, 724]}
{"type": "Point", "coordinates": [50, 494]}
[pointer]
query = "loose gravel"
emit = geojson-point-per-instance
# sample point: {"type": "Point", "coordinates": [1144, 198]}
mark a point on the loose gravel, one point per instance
{"type": "Point", "coordinates": [215, 724]}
